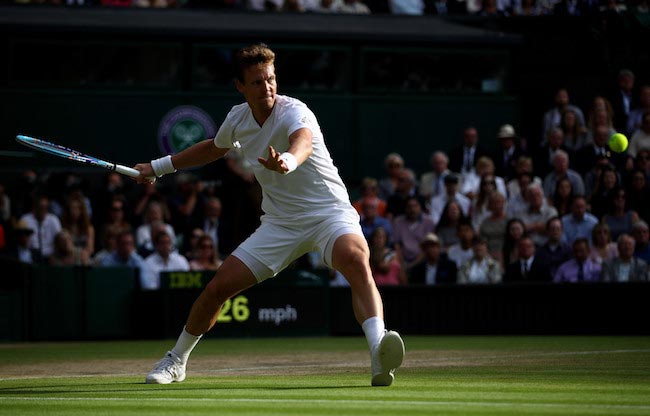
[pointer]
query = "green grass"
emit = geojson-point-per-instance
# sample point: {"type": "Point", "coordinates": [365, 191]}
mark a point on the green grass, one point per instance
{"type": "Point", "coordinates": [328, 376]}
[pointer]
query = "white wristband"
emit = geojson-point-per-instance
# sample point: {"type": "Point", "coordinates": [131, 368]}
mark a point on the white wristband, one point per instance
{"type": "Point", "coordinates": [290, 160]}
{"type": "Point", "coordinates": [162, 166]}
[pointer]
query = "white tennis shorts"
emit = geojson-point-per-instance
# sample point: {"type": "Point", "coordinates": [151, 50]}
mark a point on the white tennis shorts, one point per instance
{"type": "Point", "coordinates": [273, 246]}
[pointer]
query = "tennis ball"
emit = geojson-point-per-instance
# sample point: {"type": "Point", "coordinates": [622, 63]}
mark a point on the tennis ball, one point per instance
{"type": "Point", "coordinates": [618, 142]}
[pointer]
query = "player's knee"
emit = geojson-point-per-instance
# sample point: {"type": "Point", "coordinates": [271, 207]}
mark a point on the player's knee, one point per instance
{"type": "Point", "coordinates": [355, 260]}
{"type": "Point", "coordinates": [216, 291]}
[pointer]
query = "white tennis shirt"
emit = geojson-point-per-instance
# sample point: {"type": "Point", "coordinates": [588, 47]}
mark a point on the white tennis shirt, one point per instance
{"type": "Point", "coordinates": [314, 188]}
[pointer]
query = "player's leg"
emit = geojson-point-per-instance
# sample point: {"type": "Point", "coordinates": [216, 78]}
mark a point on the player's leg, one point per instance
{"type": "Point", "coordinates": [350, 256]}
{"type": "Point", "coordinates": [232, 277]}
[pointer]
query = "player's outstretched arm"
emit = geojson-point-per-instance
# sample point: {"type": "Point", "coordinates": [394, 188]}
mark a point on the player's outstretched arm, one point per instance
{"type": "Point", "coordinates": [197, 155]}
{"type": "Point", "coordinates": [300, 148]}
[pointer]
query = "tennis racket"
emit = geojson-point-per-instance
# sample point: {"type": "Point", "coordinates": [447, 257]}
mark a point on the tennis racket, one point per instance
{"type": "Point", "coordinates": [64, 152]}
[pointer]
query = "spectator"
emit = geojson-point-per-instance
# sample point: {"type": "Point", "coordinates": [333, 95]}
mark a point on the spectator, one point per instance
{"type": "Point", "coordinates": [351, 7]}
{"type": "Point", "coordinates": [578, 223]}
{"type": "Point", "coordinates": [406, 188]}
{"type": "Point", "coordinates": [580, 268]}
{"type": "Point", "coordinates": [638, 196]}
{"type": "Point", "coordinates": [21, 249]}
{"type": "Point", "coordinates": [480, 210]}
{"type": "Point", "coordinates": [463, 158]}
{"type": "Point", "coordinates": [384, 263]}
{"type": "Point", "coordinates": [636, 116]}
{"type": "Point", "coordinates": [408, 7]}
{"type": "Point", "coordinates": [5, 205]}
{"type": "Point", "coordinates": [546, 153]}
{"type": "Point", "coordinates": [207, 258]}
{"type": "Point", "coordinates": [451, 194]}
{"type": "Point", "coordinates": [602, 247]}
{"type": "Point", "coordinates": [641, 238]}
{"type": "Point", "coordinates": [515, 231]}
{"type": "Point", "coordinates": [598, 147]}
{"type": "Point", "coordinates": [434, 268]}
{"type": "Point", "coordinates": [563, 196]}
{"type": "Point", "coordinates": [149, 193]}
{"type": "Point", "coordinates": [370, 220]}
{"type": "Point", "coordinates": [472, 181]}
{"type": "Point", "coordinates": [622, 100]}
{"type": "Point", "coordinates": [109, 244]}
{"type": "Point", "coordinates": [601, 114]}
{"type": "Point", "coordinates": [641, 137]}
{"type": "Point", "coordinates": [573, 131]}
{"type": "Point", "coordinates": [518, 201]}
{"type": "Point", "coordinates": [604, 192]}
{"type": "Point", "coordinates": [452, 216]}
{"type": "Point", "coordinates": [524, 166]}
{"type": "Point", "coordinates": [191, 243]}
{"type": "Point", "coordinates": [593, 177]}
{"type": "Point", "coordinates": [625, 267]}
{"type": "Point", "coordinates": [571, 8]}
{"type": "Point", "coordinates": [432, 183]}
{"type": "Point", "coordinates": [45, 226]}
{"type": "Point", "coordinates": [481, 268]}
{"type": "Point", "coordinates": [493, 228]}
{"type": "Point", "coordinates": [561, 170]}
{"type": "Point", "coordinates": [537, 214]}
{"type": "Point", "coordinates": [65, 253]}
{"type": "Point", "coordinates": [162, 260]}
{"type": "Point", "coordinates": [77, 223]}
{"type": "Point", "coordinates": [408, 231]}
{"type": "Point", "coordinates": [187, 202]}
{"type": "Point", "coordinates": [117, 216]}
{"type": "Point", "coordinates": [462, 251]}
{"type": "Point", "coordinates": [124, 254]}
{"type": "Point", "coordinates": [553, 116]}
{"type": "Point", "coordinates": [509, 152]}
{"type": "Point", "coordinates": [144, 234]}
{"type": "Point", "coordinates": [213, 226]}
{"type": "Point", "coordinates": [619, 218]}
{"type": "Point", "coordinates": [394, 165]}
{"type": "Point", "coordinates": [528, 268]}
{"type": "Point", "coordinates": [555, 251]}
{"type": "Point", "coordinates": [370, 190]}
{"type": "Point", "coordinates": [527, 8]}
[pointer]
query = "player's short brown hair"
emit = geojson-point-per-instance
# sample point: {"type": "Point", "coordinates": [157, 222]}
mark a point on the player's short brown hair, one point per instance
{"type": "Point", "coordinates": [251, 55]}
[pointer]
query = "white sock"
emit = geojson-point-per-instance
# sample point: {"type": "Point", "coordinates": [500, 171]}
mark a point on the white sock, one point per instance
{"type": "Point", "coordinates": [185, 344]}
{"type": "Point", "coordinates": [374, 329]}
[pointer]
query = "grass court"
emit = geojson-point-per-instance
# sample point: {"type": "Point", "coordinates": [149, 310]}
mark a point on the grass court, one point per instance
{"type": "Point", "coordinates": [330, 376]}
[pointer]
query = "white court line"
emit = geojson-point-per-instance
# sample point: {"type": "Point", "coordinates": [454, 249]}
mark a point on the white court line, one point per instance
{"type": "Point", "coordinates": [432, 360]}
{"type": "Point", "coordinates": [375, 402]}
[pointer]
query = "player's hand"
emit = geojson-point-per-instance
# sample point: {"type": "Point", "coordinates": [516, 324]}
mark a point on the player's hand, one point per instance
{"type": "Point", "coordinates": [146, 173]}
{"type": "Point", "coordinates": [274, 162]}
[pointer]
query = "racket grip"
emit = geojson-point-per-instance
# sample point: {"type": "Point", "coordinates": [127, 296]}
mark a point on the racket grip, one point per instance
{"type": "Point", "coordinates": [125, 170]}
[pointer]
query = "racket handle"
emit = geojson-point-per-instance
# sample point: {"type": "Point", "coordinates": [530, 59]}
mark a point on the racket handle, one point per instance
{"type": "Point", "coordinates": [125, 170]}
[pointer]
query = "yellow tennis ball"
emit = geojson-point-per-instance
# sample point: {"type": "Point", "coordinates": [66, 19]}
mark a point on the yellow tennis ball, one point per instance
{"type": "Point", "coordinates": [618, 142]}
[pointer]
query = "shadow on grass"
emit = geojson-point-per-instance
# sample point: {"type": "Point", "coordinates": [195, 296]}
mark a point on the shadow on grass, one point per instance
{"type": "Point", "coordinates": [85, 388]}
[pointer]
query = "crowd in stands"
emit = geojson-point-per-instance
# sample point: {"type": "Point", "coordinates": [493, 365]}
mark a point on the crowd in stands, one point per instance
{"type": "Point", "coordinates": [483, 8]}
{"type": "Point", "coordinates": [566, 209]}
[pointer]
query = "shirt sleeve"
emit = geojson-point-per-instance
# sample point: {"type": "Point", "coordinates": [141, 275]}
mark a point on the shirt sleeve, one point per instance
{"type": "Point", "coordinates": [225, 136]}
{"type": "Point", "coordinates": [298, 117]}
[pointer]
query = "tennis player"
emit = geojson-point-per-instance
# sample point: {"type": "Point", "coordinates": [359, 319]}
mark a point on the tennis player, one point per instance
{"type": "Point", "coordinates": [306, 208]}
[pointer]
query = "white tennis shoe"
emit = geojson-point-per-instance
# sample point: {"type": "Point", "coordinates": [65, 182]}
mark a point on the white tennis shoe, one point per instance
{"type": "Point", "coordinates": [386, 357]}
{"type": "Point", "coordinates": [167, 370]}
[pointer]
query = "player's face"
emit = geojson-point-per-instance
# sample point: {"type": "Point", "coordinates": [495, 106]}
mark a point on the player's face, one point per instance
{"type": "Point", "coordinates": [259, 87]}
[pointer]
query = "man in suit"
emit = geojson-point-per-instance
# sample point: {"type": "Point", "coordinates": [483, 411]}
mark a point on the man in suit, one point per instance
{"type": "Point", "coordinates": [435, 268]}
{"type": "Point", "coordinates": [505, 159]}
{"type": "Point", "coordinates": [528, 268]}
{"type": "Point", "coordinates": [625, 267]}
{"type": "Point", "coordinates": [21, 249]}
{"type": "Point", "coordinates": [463, 158]}
{"type": "Point", "coordinates": [587, 156]}
{"type": "Point", "coordinates": [623, 99]}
